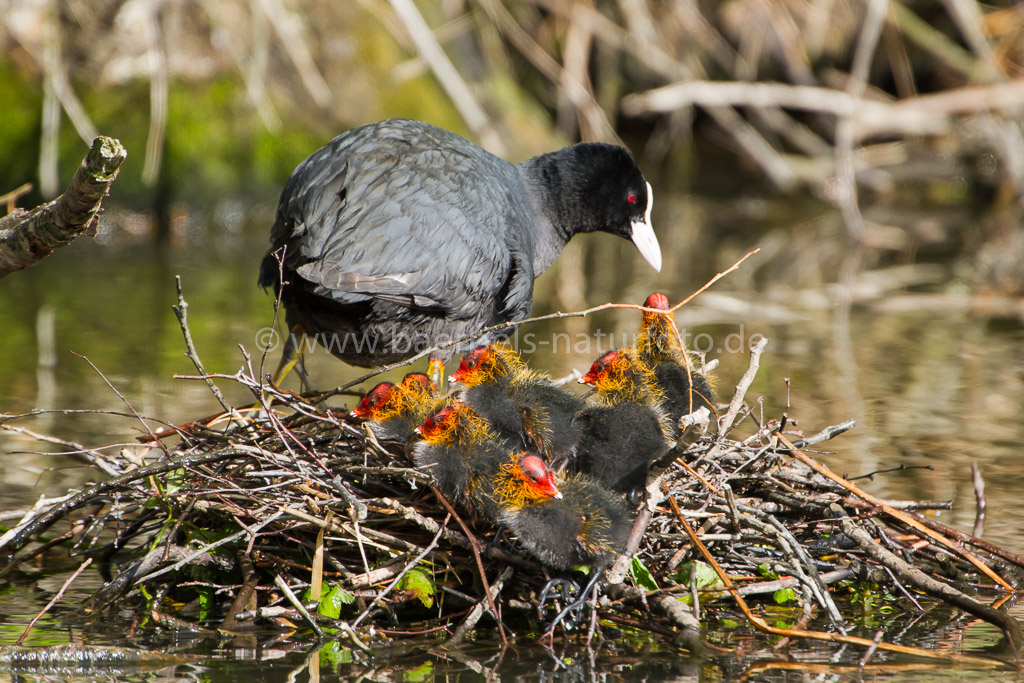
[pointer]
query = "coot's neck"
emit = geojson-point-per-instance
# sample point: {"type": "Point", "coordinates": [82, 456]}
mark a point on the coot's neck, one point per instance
{"type": "Point", "coordinates": [556, 198]}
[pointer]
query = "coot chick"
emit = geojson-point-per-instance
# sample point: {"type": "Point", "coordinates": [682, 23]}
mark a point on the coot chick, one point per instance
{"type": "Point", "coordinates": [623, 436]}
{"type": "Point", "coordinates": [519, 403]}
{"type": "Point", "coordinates": [395, 410]}
{"type": "Point", "coordinates": [399, 235]}
{"type": "Point", "coordinates": [467, 459]}
{"type": "Point", "coordinates": [586, 525]}
{"type": "Point", "coordinates": [451, 434]}
{"type": "Point", "coordinates": [659, 346]}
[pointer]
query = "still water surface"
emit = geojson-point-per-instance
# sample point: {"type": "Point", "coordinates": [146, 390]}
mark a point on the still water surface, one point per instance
{"type": "Point", "coordinates": [933, 378]}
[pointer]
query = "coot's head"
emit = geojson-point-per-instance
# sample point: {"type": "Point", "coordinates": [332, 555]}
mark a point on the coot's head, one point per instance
{"type": "Point", "coordinates": [481, 365]}
{"type": "Point", "coordinates": [621, 376]}
{"type": "Point", "coordinates": [419, 384]}
{"type": "Point", "coordinates": [440, 426]}
{"type": "Point", "coordinates": [524, 478]}
{"type": "Point", "coordinates": [378, 403]}
{"type": "Point", "coordinates": [616, 195]}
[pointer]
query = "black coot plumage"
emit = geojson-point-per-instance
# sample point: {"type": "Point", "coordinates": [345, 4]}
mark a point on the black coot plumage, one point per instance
{"type": "Point", "coordinates": [399, 235]}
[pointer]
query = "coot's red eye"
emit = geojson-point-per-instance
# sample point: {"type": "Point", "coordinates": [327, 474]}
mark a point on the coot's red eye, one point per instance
{"type": "Point", "coordinates": [631, 198]}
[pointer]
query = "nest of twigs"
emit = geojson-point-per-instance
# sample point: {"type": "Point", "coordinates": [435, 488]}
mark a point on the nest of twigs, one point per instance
{"type": "Point", "coordinates": [291, 515]}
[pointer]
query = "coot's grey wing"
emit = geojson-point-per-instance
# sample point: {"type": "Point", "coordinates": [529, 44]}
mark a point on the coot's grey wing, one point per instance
{"type": "Point", "coordinates": [408, 214]}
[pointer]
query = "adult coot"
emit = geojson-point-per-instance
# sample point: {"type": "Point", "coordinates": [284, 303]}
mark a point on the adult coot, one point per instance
{"type": "Point", "coordinates": [399, 235]}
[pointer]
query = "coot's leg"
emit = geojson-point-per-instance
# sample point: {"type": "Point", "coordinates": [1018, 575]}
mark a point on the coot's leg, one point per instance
{"type": "Point", "coordinates": [574, 610]}
{"type": "Point", "coordinates": [300, 370]}
{"type": "Point", "coordinates": [435, 371]}
{"type": "Point", "coordinates": [567, 591]}
{"type": "Point", "coordinates": [290, 355]}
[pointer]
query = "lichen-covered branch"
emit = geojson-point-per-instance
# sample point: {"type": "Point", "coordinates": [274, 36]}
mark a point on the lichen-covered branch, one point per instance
{"type": "Point", "coordinates": [27, 237]}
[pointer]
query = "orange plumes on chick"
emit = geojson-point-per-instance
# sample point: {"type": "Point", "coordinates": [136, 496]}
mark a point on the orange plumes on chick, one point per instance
{"type": "Point", "coordinates": [619, 376]}
{"type": "Point", "coordinates": [658, 339]}
{"type": "Point", "coordinates": [660, 347]}
{"type": "Point", "coordinates": [420, 384]}
{"type": "Point", "coordinates": [524, 478]}
{"type": "Point", "coordinates": [395, 409]}
{"type": "Point", "coordinates": [378, 402]}
{"type": "Point", "coordinates": [454, 425]}
{"type": "Point", "coordinates": [471, 463]}
{"type": "Point", "coordinates": [494, 362]}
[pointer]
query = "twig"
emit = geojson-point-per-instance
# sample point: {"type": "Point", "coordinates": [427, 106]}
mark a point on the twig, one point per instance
{"type": "Point", "coordinates": [181, 312]}
{"type": "Point", "coordinates": [474, 615]}
{"type": "Point", "coordinates": [479, 562]}
{"type": "Point", "coordinates": [124, 400]}
{"type": "Point", "coordinates": [28, 237]}
{"type": "Point", "coordinates": [979, 497]}
{"type": "Point", "coordinates": [297, 604]}
{"type": "Point", "coordinates": [207, 548]}
{"type": "Point", "coordinates": [87, 495]}
{"type": "Point", "coordinates": [516, 323]}
{"type": "Point", "coordinates": [725, 424]}
{"type": "Point", "coordinates": [825, 434]}
{"type": "Point", "coordinates": [897, 514]}
{"type": "Point", "coordinates": [91, 456]}
{"type": "Point", "coordinates": [869, 653]}
{"type": "Point", "coordinates": [405, 570]}
{"type": "Point", "coordinates": [927, 584]}
{"type": "Point", "coordinates": [718, 276]}
{"type": "Point", "coordinates": [10, 199]}
{"type": "Point", "coordinates": [762, 625]}
{"type": "Point", "coordinates": [53, 601]}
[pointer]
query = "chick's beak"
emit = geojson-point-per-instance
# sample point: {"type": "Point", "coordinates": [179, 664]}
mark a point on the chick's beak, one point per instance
{"type": "Point", "coordinates": [549, 484]}
{"type": "Point", "coordinates": [643, 235]}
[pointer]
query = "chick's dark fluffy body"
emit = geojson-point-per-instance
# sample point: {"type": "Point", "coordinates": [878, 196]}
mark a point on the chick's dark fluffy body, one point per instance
{"type": "Point", "coordinates": [533, 413]}
{"type": "Point", "coordinates": [588, 525]}
{"type": "Point", "coordinates": [683, 393]}
{"type": "Point", "coordinates": [466, 463]}
{"type": "Point", "coordinates": [618, 444]}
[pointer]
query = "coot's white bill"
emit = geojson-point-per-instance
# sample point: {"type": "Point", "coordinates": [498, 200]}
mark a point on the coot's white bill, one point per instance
{"type": "Point", "coordinates": [643, 235]}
